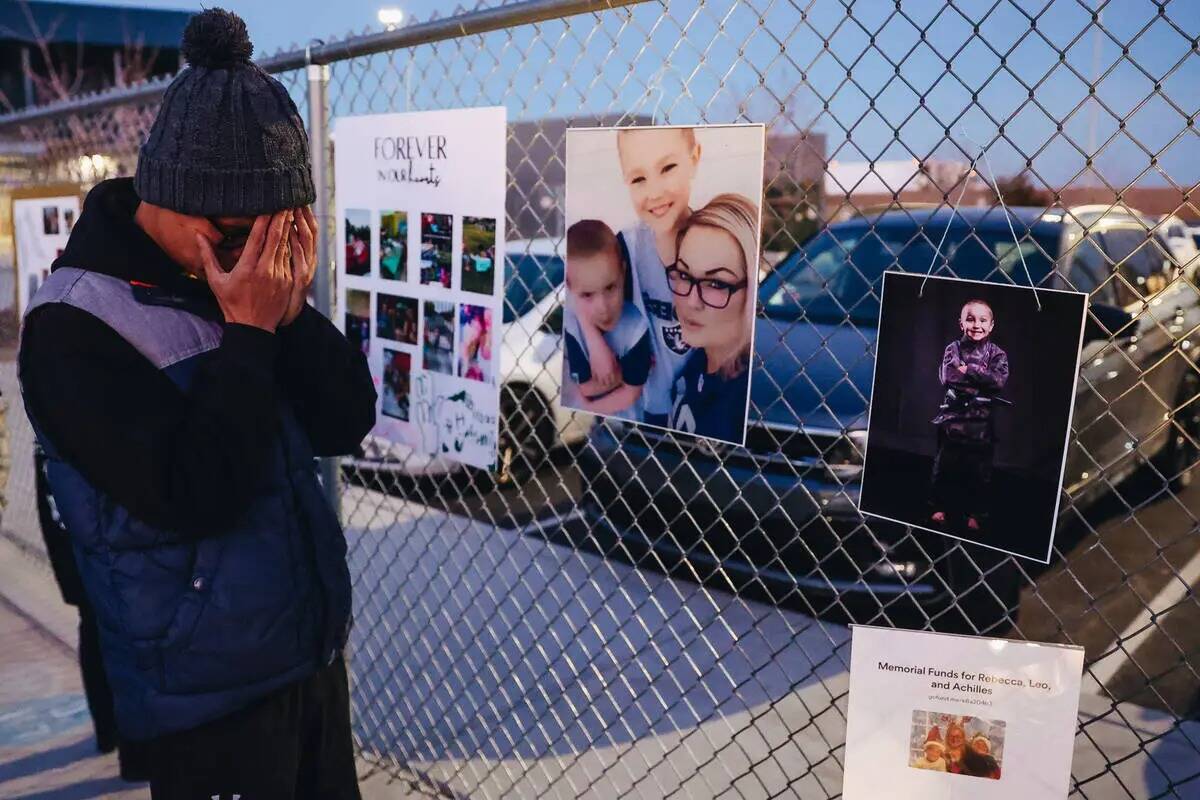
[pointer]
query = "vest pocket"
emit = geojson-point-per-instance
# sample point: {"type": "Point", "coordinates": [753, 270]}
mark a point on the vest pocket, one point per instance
{"type": "Point", "coordinates": [237, 624]}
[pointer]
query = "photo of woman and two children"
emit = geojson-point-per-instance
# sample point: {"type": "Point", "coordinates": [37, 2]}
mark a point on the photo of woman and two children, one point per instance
{"type": "Point", "coordinates": [956, 744]}
{"type": "Point", "coordinates": [661, 278]}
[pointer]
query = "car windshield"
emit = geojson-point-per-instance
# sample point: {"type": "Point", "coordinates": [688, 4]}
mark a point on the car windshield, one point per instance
{"type": "Point", "coordinates": [527, 280]}
{"type": "Point", "coordinates": [837, 274]}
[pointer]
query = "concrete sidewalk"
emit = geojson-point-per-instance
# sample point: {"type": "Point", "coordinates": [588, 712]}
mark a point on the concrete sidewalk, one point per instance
{"type": "Point", "coordinates": [47, 750]}
{"type": "Point", "coordinates": [46, 745]}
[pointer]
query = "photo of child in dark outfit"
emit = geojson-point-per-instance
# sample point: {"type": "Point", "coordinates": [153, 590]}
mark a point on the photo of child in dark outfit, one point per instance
{"type": "Point", "coordinates": [974, 370]}
{"type": "Point", "coordinates": [970, 409]}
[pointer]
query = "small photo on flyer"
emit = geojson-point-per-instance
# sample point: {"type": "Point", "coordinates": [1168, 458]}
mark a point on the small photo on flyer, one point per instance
{"type": "Point", "coordinates": [358, 241]}
{"type": "Point", "coordinates": [358, 319]}
{"type": "Point", "coordinates": [393, 245]}
{"type": "Point", "coordinates": [437, 243]}
{"type": "Point", "coordinates": [479, 255]}
{"type": "Point", "coordinates": [396, 318]}
{"type": "Point", "coordinates": [397, 372]}
{"type": "Point", "coordinates": [475, 343]}
{"type": "Point", "coordinates": [439, 337]}
{"type": "Point", "coordinates": [971, 409]}
{"type": "Point", "coordinates": [956, 744]}
{"type": "Point", "coordinates": [663, 230]}
{"type": "Point", "coordinates": [50, 226]}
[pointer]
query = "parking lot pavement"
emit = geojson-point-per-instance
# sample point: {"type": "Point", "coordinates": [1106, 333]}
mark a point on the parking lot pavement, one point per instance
{"type": "Point", "coordinates": [46, 744]}
{"type": "Point", "coordinates": [497, 663]}
{"type": "Point", "coordinates": [1127, 590]}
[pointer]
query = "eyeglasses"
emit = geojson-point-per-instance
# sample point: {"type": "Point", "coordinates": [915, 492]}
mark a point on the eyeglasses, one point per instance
{"type": "Point", "coordinates": [232, 237]}
{"type": "Point", "coordinates": [713, 293]}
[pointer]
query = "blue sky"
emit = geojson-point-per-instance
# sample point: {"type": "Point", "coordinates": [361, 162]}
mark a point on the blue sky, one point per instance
{"type": "Point", "coordinates": [766, 61]}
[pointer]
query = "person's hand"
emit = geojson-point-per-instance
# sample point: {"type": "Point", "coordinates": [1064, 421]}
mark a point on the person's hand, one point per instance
{"type": "Point", "coordinates": [606, 370]}
{"type": "Point", "coordinates": [962, 368]}
{"type": "Point", "coordinates": [258, 289]}
{"type": "Point", "coordinates": [302, 237]}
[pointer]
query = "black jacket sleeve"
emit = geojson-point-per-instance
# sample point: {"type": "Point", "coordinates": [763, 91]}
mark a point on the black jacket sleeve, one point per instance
{"type": "Point", "coordinates": [327, 382]}
{"type": "Point", "coordinates": [189, 463]}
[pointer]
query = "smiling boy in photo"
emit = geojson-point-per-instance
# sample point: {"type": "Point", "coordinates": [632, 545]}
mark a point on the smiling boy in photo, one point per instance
{"type": "Point", "coordinates": [596, 291]}
{"type": "Point", "coordinates": [974, 370]}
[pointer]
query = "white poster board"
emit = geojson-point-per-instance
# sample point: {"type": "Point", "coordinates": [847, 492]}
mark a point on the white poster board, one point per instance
{"type": "Point", "coordinates": [41, 227]}
{"type": "Point", "coordinates": [420, 243]}
{"type": "Point", "coordinates": [942, 716]}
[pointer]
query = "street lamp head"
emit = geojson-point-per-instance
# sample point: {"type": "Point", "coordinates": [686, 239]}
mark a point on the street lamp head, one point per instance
{"type": "Point", "coordinates": [390, 16]}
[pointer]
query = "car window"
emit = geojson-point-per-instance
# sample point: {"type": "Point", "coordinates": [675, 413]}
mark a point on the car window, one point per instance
{"type": "Point", "coordinates": [1139, 261]}
{"type": "Point", "coordinates": [1088, 267]}
{"type": "Point", "coordinates": [528, 280]}
{"type": "Point", "coordinates": [553, 321]}
{"type": "Point", "coordinates": [837, 274]}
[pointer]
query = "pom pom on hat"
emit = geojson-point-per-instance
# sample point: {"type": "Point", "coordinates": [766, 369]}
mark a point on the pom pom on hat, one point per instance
{"type": "Point", "coordinates": [216, 39]}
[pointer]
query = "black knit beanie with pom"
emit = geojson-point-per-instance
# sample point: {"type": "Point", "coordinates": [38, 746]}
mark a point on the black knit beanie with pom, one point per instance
{"type": "Point", "coordinates": [228, 140]}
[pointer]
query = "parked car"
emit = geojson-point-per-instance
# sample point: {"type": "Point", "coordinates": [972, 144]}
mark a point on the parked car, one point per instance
{"type": "Point", "coordinates": [781, 512]}
{"type": "Point", "coordinates": [532, 423]}
{"type": "Point", "coordinates": [1179, 238]}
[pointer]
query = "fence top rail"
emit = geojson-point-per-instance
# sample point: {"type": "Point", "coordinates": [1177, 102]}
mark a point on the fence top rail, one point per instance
{"type": "Point", "coordinates": [320, 52]}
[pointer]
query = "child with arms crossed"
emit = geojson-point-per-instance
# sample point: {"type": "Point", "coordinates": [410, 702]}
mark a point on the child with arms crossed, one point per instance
{"type": "Point", "coordinates": [596, 293]}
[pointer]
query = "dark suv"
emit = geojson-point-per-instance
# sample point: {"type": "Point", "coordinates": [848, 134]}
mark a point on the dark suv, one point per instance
{"type": "Point", "coordinates": [780, 513]}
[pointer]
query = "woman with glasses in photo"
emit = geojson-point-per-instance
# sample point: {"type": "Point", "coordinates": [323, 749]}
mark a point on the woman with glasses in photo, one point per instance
{"type": "Point", "coordinates": [713, 283]}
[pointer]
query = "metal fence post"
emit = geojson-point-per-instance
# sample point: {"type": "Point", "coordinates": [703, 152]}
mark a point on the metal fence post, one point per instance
{"type": "Point", "coordinates": [318, 142]}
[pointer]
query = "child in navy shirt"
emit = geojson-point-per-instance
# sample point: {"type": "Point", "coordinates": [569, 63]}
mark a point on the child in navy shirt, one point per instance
{"type": "Point", "coordinates": [599, 309]}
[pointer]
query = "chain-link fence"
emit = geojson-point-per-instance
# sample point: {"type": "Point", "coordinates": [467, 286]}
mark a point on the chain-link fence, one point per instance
{"type": "Point", "coordinates": [615, 612]}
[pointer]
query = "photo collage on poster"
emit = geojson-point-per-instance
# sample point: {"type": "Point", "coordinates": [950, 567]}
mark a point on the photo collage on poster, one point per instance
{"type": "Point", "coordinates": [42, 223]}
{"type": "Point", "coordinates": [422, 323]}
{"type": "Point", "coordinates": [420, 225]}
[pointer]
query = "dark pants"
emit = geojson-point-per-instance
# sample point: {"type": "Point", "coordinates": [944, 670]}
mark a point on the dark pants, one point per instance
{"type": "Point", "coordinates": [95, 680]}
{"type": "Point", "coordinates": [292, 744]}
{"type": "Point", "coordinates": [962, 477]}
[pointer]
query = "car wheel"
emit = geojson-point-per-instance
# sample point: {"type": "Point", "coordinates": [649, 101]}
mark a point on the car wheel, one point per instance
{"type": "Point", "coordinates": [1181, 451]}
{"type": "Point", "coordinates": [527, 431]}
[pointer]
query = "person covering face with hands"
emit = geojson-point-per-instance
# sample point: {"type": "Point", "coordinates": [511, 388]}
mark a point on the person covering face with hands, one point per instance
{"type": "Point", "coordinates": [182, 387]}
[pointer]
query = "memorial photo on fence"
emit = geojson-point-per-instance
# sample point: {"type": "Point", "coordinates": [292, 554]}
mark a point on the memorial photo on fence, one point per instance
{"type": "Point", "coordinates": [662, 275]}
{"type": "Point", "coordinates": [479, 255]}
{"type": "Point", "coordinates": [956, 744]}
{"type": "Point", "coordinates": [397, 371]}
{"type": "Point", "coordinates": [393, 245]}
{"type": "Point", "coordinates": [971, 408]}
{"type": "Point", "coordinates": [439, 337]}
{"type": "Point", "coordinates": [358, 241]}
{"type": "Point", "coordinates": [396, 318]}
{"type": "Point", "coordinates": [437, 242]}
{"type": "Point", "coordinates": [358, 319]}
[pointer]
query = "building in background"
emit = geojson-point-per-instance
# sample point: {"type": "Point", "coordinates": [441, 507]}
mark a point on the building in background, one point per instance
{"type": "Point", "coordinates": [857, 187]}
{"type": "Point", "coordinates": [51, 50]}
{"type": "Point", "coordinates": [795, 164]}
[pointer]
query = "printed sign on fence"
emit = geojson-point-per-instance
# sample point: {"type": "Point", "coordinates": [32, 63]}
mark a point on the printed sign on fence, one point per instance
{"type": "Point", "coordinates": [420, 201]}
{"type": "Point", "coordinates": [939, 715]}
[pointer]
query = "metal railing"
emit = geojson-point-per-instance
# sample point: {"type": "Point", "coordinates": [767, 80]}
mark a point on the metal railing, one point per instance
{"type": "Point", "coordinates": [597, 617]}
